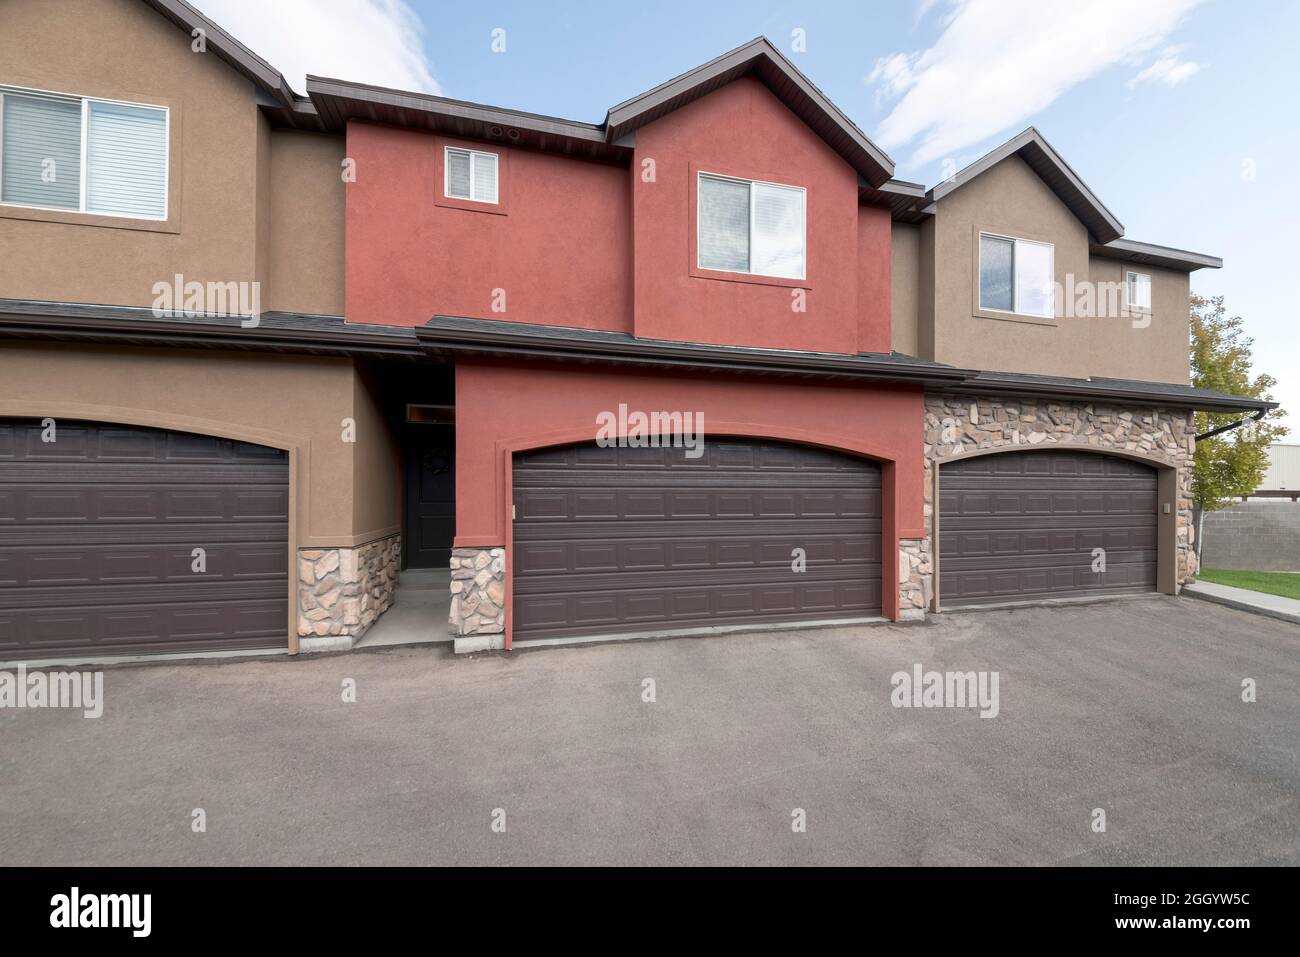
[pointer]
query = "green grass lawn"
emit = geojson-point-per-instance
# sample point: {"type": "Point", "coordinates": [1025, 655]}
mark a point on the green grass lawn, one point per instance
{"type": "Point", "coordinates": [1285, 584]}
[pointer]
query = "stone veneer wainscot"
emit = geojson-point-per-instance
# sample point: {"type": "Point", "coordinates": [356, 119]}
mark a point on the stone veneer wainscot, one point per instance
{"type": "Point", "coordinates": [341, 591]}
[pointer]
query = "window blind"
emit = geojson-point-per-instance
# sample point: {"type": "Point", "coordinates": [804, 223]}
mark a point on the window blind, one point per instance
{"type": "Point", "coordinates": [41, 160]}
{"type": "Point", "coordinates": [776, 248]}
{"type": "Point", "coordinates": [126, 160]}
{"type": "Point", "coordinates": [723, 224]}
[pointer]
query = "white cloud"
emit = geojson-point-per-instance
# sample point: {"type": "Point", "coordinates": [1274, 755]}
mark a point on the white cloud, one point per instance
{"type": "Point", "coordinates": [998, 62]}
{"type": "Point", "coordinates": [370, 41]}
{"type": "Point", "coordinates": [1169, 69]}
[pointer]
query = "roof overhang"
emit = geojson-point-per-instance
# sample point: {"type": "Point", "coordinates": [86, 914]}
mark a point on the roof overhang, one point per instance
{"type": "Point", "coordinates": [523, 340]}
{"type": "Point", "coordinates": [1031, 147]}
{"type": "Point", "coordinates": [905, 201]}
{"type": "Point", "coordinates": [139, 326]}
{"type": "Point", "coordinates": [1149, 254]}
{"type": "Point", "coordinates": [338, 101]}
{"type": "Point", "coordinates": [444, 337]}
{"type": "Point", "coordinates": [1163, 394]}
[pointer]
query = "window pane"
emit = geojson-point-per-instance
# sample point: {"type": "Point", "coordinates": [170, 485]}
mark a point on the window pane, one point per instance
{"type": "Point", "coordinates": [1139, 290]}
{"type": "Point", "coordinates": [777, 247]}
{"type": "Point", "coordinates": [458, 174]}
{"type": "Point", "coordinates": [126, 160]}
{"type": "Point", "coordinates": [1034, 279]}
{"type": "Point", "coordinates": [996, 256]}
{"type": "Point", "coordinates": [724, 224]}
{"type": "Point", "coordinates": [41, 165]}
{"type": "Point", "coordinates": [485, 177]}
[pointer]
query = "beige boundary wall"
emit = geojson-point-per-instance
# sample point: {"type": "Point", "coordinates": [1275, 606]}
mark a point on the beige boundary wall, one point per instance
{"type": "Point", "coordinates": [295, 403]}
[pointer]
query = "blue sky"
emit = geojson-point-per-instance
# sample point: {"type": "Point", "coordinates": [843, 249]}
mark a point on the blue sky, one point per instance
{"type": "Point", "coordinates": [1183, 116]}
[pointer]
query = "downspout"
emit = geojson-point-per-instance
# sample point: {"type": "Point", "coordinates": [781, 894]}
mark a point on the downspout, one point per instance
{"type": "Point", "coordinates": [1253, 417]}
{"type": "Point", "coordinates": [1200, 512]}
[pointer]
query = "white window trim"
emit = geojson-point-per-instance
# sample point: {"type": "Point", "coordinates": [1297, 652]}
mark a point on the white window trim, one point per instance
{"type": "Point", "coordinates": [1128, 288]}
{"type": "Point", "coordinates": [446, 175]}
{"type": "Point", "coordinates": [701, 174]}
{"type": "Point", "coordinates": [1013, 311]}
{"type": "Point", "coordinates": [85, 118]}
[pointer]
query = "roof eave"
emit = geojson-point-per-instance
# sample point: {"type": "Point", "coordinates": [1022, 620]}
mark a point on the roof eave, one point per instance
{"type": "Point", "coordinates": [1129, 250]}
{"type": "Point", "coordinates": [527, 340]}
{"type": "Point", "coordinates": [1033, 147]}
{"type": "Point", "coordinates": [760, 57]}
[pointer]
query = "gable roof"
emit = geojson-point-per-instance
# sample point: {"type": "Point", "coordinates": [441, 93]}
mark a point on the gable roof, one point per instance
{"type": "Point", "coordinates": [760, 58]}
{"type": "Point", "coordinates": [330, 102]}
{"type": "Point", "coordinates": [1034, 149]}
{"type": "Point", "coordinates": [337, 101]}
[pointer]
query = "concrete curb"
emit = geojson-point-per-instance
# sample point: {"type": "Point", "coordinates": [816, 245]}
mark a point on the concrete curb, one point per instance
{"type": "Point", "coordinates": [1233, 598]}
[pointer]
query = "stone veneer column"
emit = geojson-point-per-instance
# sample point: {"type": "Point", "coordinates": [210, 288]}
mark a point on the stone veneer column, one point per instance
{"type": "Point", "coordinates": [477, 618]}
{"type": "Point", "coordinates": [915, 578]}
{"type": "Point", "coordinates": [955, 425]}
{"type": "Point", "coordinates": [341, 591]}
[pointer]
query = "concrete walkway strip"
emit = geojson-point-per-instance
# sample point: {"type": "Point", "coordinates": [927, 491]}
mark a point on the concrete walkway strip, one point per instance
{"type": "Point", "coordinates": [1274, 606]}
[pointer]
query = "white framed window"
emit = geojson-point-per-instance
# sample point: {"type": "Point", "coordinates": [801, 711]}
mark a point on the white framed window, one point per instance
{"type": "Point", "coordinates": [1137, 286]}
{"type": "Point", "coordinates": [83, 154]}
{"type": "Point", "coordinates": [748, 226]}
{"type": "Point", "coordinates": [470, 174]}
{"type": "Point", "coordinates": [1015, 275]}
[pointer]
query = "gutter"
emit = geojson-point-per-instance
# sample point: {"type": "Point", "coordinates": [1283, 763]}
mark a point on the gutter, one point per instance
{"type": "Point", "coordinates": [277, 333]}
{"type": "Point", "coordinates": [1086, 389]}
{"type": "Point", "coordinates": [523, 340]}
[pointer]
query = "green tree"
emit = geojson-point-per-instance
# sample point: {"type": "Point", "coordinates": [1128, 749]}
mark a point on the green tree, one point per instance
{"type": "Point", "coordinates": [1232, 464]}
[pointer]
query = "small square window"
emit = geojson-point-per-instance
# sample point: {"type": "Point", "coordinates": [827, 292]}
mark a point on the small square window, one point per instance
{"type": "Point", "coordinates": [471, 174]}
{"type": "Point", "coordinates": [1138, 290]}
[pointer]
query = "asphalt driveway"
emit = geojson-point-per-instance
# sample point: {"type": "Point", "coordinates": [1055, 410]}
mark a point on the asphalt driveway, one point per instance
{"type": "Point", "coordinates": [1133, 707]}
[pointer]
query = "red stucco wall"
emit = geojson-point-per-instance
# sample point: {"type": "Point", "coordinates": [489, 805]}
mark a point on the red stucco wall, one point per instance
{"type": "Point", "coordinates": [599, 246]}
{"type": "Point", "coordinates": [875, 274]}
{"type": "Point", "coordinates": [559, 244]}
{"type": "Point", "coordinates": [743, 130]}
{"type": "Point", "coordinates": [505, 408]}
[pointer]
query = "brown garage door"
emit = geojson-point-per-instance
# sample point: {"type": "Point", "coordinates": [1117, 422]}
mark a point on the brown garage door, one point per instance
{"type": "Point", "coordinates": [615, 540]}
{"type": "Point", "coordinates": [97, 532]}
{"type": "Point", "coordinates": [1020, 526]}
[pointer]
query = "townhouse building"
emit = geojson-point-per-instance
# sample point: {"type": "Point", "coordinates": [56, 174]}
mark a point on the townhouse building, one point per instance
{"type": "Point", "coordinates": [908, 400]}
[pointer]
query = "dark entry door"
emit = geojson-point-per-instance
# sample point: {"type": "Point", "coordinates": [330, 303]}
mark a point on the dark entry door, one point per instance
{"type": "Point", "coordinates": [430, 496]}
{"type": "Point", "coordinates": [1022, 526]}
{"type": "Point", "coordinates": [116, 539]}
{"type": "Point", "coordinates": [619, 540]}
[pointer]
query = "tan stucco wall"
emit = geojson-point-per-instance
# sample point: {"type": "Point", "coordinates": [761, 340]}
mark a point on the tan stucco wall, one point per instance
{"type": "Point", "coordinates": [905, 282]}
{"type": "Point", "coordinates": [1012, 200]}
{"type": "Point", "coordinates": [306, 203]}
{"type": "Point", "coordinates": [122, 49]}
{"type": "Point", "coordinates": [377, 465]}
{"type": "Point", "coordinates": [290, 402]}
{"type": "Point", "coordinates": [1008, 199]}
{"type": "Point", "coordinates": [231, 217]}
{"type": "Point", "coordinates": [1157, 352]}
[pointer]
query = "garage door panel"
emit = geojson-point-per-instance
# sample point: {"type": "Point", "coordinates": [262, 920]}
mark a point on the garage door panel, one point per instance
{"type": "Point", "coordinates": [38, 565]}
{"type": "Point", "coordinates": [694, 542]}
{"type": "Point", "coordinates": [1050, 510]}
{"type": "Point", "coordinates": [97, 531]}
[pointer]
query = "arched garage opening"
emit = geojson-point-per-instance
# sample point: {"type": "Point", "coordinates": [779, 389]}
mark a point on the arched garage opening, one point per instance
{"type": "Point", "coordinates": [616, 540]}
{"type": "Point", "coordinates": [120, 539]}
{"type": "Point", "coordinates": [1028, 525]}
